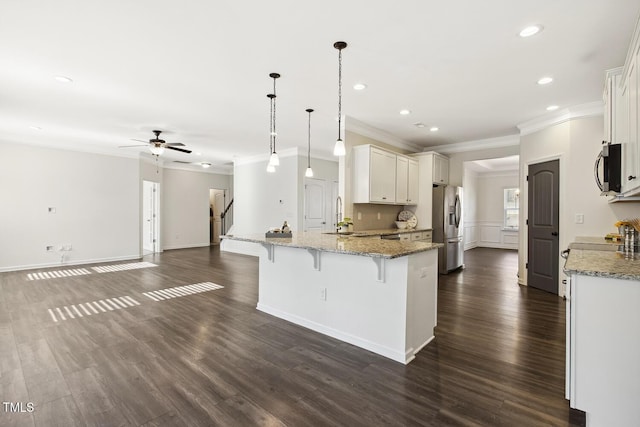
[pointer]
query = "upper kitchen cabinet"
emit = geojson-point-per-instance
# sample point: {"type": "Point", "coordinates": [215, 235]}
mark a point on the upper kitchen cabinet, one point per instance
{"type": "Point", "coordinates": [374, 175]}
{"type": "Point", "coordinates": [440, 169]}
{"type": "Point", "coordinates": [413, 182]}
{"type": "Point", "coordinates": [622, 114]}
{"type": "Point", "coordinates": [381, 176]}
{"type": "Point", "coordinates": [615, 108]}
{"type": "Point", "coordinates": [434, 165]}
{"type": "Point", "coordinates": [406, 181]}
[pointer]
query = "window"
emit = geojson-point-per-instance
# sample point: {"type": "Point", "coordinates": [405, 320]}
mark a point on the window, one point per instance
{"type": "Point", "coordinates": [511, 208]}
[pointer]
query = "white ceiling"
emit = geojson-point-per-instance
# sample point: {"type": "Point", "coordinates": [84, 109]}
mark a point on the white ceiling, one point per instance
{"type": "Point", "coordinates": [499, 165]}
{"type": "Point", "coordinates": [199, 69]}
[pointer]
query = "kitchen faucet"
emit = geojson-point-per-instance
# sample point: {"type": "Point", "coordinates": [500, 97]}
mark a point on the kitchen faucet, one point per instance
{"type": "Point", "coordinates": [338, 212]}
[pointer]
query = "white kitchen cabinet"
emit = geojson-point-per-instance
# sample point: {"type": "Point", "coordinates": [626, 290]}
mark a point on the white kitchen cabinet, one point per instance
{"type": "Point", "coordinates": [407, 180]}
{"type": "Point", "coordinates": [381, 176]}
{"type": "Point", "coordinates": [622, 115]}
{"type": "Point", "coordinates": [440, 169]}
{"type": "Point", "coordinates": [421, 236]}
{"type": "Point", "coordinates": [402, 174]}
{"type": "Point", "coordinates": [603, 349]}
{"type": "Point", "coordinates": [374, 175]}
{"type": "Point", "coordinates": [413, 182]}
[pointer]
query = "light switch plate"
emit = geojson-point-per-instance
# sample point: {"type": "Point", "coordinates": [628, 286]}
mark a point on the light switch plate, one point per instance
{"type": "Point", "coordinates": [579, 218]}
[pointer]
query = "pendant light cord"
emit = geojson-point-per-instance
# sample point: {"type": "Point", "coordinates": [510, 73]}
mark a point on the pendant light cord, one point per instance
{"type": "Point", "coordinates": [309, 141]}
{"type": "Point", "coordinates": [339, 91]}
{"type": "Point", "coordinates": [274, 133]}
{"type": "Point", "coordinates": [270, 124]}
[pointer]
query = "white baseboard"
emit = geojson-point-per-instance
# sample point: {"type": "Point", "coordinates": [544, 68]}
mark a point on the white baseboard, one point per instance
{"type": "Point", "coordinates": [188, 246]}
{"type": "Point", "coordinates": [398, 356]}
{"type": "Point", "coordinates": [68, 264]}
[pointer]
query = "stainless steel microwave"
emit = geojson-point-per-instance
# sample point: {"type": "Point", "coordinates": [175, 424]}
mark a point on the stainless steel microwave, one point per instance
{"type": "Point", "coordinates": [611, 172]}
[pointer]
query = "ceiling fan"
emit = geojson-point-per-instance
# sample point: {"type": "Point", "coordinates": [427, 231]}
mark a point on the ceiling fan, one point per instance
{"type": "Point", "coordinates": [157, 145]}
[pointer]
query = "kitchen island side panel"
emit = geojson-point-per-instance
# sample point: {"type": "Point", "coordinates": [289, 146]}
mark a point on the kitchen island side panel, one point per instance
{"type": "Point", "coordinates": [344, 299]}
{"type": "Point", "coordinates": [607, 353]}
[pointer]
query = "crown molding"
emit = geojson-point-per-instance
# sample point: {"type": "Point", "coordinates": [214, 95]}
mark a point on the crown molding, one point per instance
{"type": "Point", "coordinates": [356, 126]}
{"type": "Point", "coordinates": [479, 144]}
{"type": "Point", "coordinates": [79, 148]}
{"type": "Point", "coordinates": [590, 109]}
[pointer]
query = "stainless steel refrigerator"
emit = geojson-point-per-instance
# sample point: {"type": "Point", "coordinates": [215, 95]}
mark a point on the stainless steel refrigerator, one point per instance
{"type": "Point", "coordinates": [447, 226]}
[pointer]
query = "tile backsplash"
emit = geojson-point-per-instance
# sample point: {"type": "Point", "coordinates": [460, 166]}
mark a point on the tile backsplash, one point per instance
{"type": "Point", "coordinates": [369, 216]}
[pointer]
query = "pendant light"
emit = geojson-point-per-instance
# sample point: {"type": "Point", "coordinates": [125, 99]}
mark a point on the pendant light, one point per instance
{"type": "Point", "coordinates": [274, 160]}
{"type": "Point", "coordinates": [309, 172]}
{"type": "Point", "coordinates": [339, 148]}
{"type": "Point", "coordinates": [270, 167]}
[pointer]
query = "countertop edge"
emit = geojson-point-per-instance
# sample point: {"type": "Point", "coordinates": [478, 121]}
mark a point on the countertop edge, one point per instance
{"type": "Point", "coordinates": [285, 242]}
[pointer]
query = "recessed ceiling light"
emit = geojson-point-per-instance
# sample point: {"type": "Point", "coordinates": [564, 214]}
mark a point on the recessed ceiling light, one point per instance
{"type": "Point", "coordinates": [206, 165]}
{"type": "Point", "coordinates": [359, 86]}
{"type": "Point", "coordinates": [198, 154]}
{"type": "Point", "coordinates": [405, 112]}
{"type": "Point", "coordinates": [434, 129]}
{"type": "Point", "coordinates": [35, 127]}
{"type": "Point", "coordinates": [419, 125]}
{"type": "Point", "coordinates": [63, 79]}
{"type": "Point", "coordinates": [545, 81]}
{"type": "Point", "coordinates": [552, 108]}
{"type": "Point", "coordinates": [530, 30]}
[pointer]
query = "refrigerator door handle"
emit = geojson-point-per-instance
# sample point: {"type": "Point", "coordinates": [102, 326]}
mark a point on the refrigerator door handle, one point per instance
{"type": "Point", "coordinates": [458, 211]}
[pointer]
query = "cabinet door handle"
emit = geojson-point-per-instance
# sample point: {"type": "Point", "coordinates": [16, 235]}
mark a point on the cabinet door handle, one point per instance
{"type": "Point", "coordinates": [554, 233]}
{"type": "Point", "coordinates": [631, 178]}
{"type": "Point", "coordinates": [384, 198]}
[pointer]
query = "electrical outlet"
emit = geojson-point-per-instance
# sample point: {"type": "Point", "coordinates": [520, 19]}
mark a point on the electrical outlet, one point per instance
{"type": "Point", "coordinates": [359, 216]}
{"type": "Point", "coordinates": [579, 218]}
{"type": "Point", "coordinates": [379, 216]}
{"type": "Point", "coordinates": [323, 294]}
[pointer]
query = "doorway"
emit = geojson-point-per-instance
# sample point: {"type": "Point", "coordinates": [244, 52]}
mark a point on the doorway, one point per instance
{"type": "Point", "coordinates": [150, 217]}
{"type": "Point", "coordinates": [543, 225]}
{"type": "Point", "coordinates": [216, 207]}
{"type": "Point", "coordinates": [318, 205]}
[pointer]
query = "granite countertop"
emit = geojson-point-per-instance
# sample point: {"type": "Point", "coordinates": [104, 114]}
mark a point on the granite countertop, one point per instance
{"type": "Point", "coordinates": [352, 244]}
{"type": "Point", "coordinates": [594, 256]}
{"type": "Point", "coordinates": [387, 231]}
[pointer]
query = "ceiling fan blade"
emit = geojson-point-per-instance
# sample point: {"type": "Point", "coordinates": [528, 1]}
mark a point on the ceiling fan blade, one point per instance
{"type": "Point", "coordinates": [139, 140]}
{"type": "Point", "coordinates": [129, 146]}
{"type": "Point", "coordinates": [178, 149]}
{"type": "Point", "coordinates": [175, 144]}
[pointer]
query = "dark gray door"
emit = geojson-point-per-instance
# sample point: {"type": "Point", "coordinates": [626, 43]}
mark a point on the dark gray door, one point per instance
{"type": "Point", "coordinates": [543, 213]}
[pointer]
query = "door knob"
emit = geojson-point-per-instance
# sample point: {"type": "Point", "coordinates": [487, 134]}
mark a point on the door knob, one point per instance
{"type": "Point", "coordinates": [554, 233]}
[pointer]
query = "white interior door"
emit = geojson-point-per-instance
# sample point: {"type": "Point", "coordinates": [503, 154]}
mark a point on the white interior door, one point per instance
{"type": "Point", "coordinates": [150, 217]}
{"type": "Point", "coordinates": [315, 212]}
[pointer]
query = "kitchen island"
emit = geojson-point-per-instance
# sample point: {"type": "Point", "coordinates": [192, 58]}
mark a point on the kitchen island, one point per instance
{"type": "Point", "coordinates": [603, 332]}
{"type": "Point", "coordinates": [380, 295]}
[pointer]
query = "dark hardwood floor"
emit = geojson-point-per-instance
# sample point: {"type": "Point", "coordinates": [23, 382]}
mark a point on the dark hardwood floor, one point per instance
{"type": "Point", "coordinates": [210, 358]}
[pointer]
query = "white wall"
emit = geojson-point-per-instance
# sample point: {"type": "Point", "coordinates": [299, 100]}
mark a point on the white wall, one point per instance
{"type": "Point", "coordinates": [490, 210]}
{"type": "Point", "coordinates": [470, 209]}
{"type": "Point", "coordinates": [96, 198]}
{"type": "Point", "coordinates": [264, 200]}
{"type": "Point", "coordinates": [576, 144]}
{"type": "Point", "coordinates": [456, 160]}
{"type": "Point", "coordinates": [184, 217]}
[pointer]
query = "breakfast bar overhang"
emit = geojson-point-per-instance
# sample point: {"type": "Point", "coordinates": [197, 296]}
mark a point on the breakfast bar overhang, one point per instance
{"type": "Point", "coordinates": [376, 294]}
